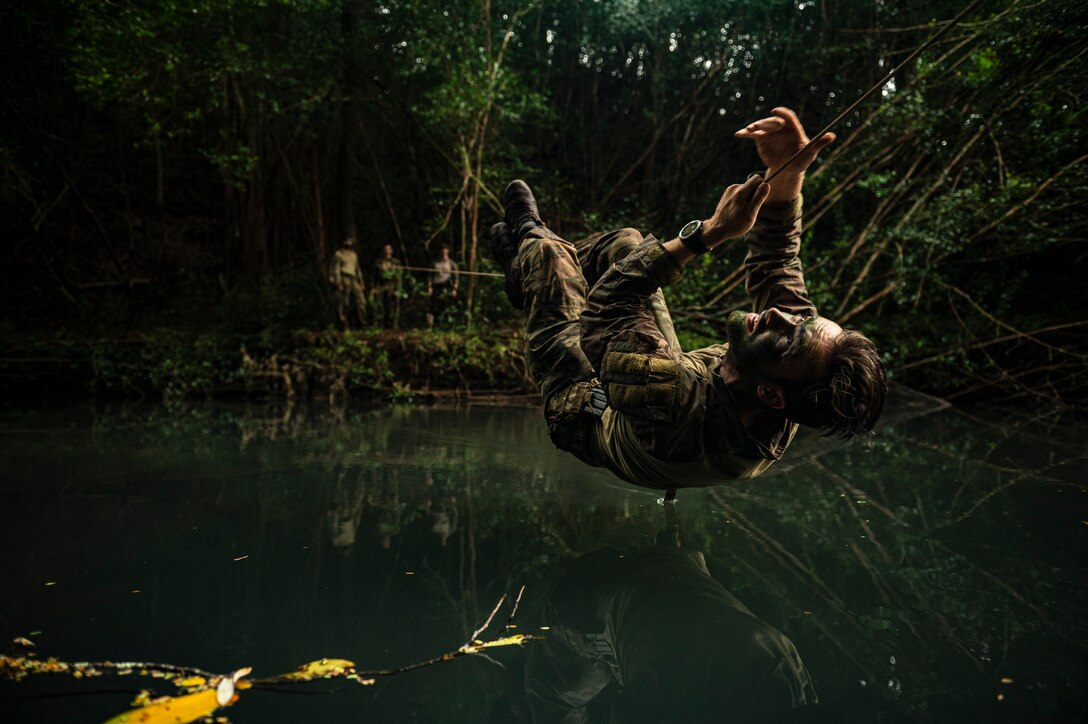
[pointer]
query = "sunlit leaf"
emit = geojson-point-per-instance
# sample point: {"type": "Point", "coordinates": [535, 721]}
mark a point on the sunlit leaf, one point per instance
{"type": "Point", "coordinates": [515, 640]}
{"type": "Point", "coordinates": [174, 709]}
{"type": "Point", "coordinates": [18, 667]}
{"type": "Point", "coordinates": [190, 682]}
{"type": "Point", "coordinates": [320, 669]}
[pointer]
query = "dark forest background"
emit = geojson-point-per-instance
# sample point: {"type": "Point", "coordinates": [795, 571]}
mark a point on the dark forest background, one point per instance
{"type": "Point", "coordinates": [176, 174]}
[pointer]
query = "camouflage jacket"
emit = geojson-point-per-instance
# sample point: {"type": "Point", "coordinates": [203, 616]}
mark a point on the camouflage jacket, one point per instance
{"type": "Point", "coordinates": [387, 274]}
{"type": "Point", "coordinates": [345, 263]}
{"type": "Point", "coordinates": [672, 422]}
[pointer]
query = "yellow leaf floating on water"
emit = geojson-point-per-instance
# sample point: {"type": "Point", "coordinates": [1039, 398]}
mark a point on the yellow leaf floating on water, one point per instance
{"type": "Point", "coordinates": [172, 709]}
{"type": "Point", "coordinates": [320, 669]}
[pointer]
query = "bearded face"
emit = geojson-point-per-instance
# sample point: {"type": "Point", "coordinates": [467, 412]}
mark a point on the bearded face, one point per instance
{"type": "Point", "coordinates": [777, 346]}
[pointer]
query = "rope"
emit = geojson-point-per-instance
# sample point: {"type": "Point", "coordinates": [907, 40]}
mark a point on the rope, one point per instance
{"type": "Point", "coordinates": [432, 270]}
{"type": "Point", "coordinates": [880, 84]}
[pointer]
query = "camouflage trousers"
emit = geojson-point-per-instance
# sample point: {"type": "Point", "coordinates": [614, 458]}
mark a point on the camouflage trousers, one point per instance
{"type": "Point", "coordinates": [557, 276]}
{"type": "Point", "coordinates": [387, 302]}
{"type": "Point", "coordinates": [349, 294]}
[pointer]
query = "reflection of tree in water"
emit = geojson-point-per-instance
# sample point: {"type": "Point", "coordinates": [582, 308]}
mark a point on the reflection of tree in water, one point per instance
{"type": "Point", "coordinates": [910, 573]}
{"type": "Point", "coordinates": [949, 547]}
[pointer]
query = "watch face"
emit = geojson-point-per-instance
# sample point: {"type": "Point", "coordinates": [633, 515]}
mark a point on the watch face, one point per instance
{"type": "Point", "coordinates": [690, 228]}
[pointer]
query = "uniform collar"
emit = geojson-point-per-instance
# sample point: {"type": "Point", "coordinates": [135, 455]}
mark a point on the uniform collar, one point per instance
{"type": "Point", "coordinates": [767, 438]}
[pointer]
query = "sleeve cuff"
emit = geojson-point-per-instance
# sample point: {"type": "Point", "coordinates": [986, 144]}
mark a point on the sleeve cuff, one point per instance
{"type": "Point", "coordinates": [781, 212]}
{"type": "Point", "coordinates": [663, 268]}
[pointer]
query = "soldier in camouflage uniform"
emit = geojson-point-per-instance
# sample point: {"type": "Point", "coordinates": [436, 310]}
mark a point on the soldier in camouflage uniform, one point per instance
{"type": "Point", "coordinates": [387, 278]}
{"type": "Point", "coordinates": [442, 286]}
{"type": "Point", "coordinates": [618, 391]}
{"type": "Point", "coordinates": [346, 275]}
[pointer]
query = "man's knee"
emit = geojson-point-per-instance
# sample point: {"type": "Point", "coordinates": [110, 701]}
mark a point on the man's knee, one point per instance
{"type": "Point", "coordinates": [538, 233]}
{"type": "Point", "coordinates": [602, 251]}
{"type": "Point", "coordinates": [545, 260]}
{"type": "Point", "coordinates": [621, 243]}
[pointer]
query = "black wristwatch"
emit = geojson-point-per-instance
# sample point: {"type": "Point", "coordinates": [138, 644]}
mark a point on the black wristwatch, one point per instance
{"type": "Point", "coordinates": [691, 236]}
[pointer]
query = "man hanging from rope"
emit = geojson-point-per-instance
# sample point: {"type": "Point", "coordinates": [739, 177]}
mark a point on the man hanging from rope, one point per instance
{"type": "Point", "coordinates": [618, 391]}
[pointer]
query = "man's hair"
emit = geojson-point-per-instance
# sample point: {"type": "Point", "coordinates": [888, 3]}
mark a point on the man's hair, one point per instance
{"type": "Point", "coordinates": [850, 399]}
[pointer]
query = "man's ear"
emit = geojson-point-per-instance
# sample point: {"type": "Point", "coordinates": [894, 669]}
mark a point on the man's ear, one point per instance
{"type": "Point", "coordinates": [771, 395]}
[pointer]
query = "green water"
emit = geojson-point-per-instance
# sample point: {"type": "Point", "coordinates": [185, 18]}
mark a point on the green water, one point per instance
{"type": "Point", "coordinates": [936, 575]}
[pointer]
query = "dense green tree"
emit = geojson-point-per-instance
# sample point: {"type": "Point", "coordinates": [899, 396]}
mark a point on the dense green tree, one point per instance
{"type": "Point", "coordinates": [206, 156]}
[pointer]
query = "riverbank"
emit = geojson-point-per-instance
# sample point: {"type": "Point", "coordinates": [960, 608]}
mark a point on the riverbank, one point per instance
{"type": "Point", "coordinates": [485, 364]}
{"type": "Point", "coordinates": [360, 365]}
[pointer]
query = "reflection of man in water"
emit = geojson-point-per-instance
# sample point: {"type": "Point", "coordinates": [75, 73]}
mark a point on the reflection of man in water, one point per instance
{"type": "Point", "coordinates": [390, 517]}
{"type": "Point", "coordinates": [650, 636]}
{"type": "Point", "coordinates": [345, 513]}
{"type": "Point", "coordinates": [443, 519]}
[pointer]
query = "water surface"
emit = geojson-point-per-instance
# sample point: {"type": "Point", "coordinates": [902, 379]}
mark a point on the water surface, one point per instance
{"type": "Point", "coordinates": [935, 575]}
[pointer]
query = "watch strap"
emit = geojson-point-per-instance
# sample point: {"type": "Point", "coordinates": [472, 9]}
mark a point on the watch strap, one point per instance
{"type": "Point", "coordinates": [694, 242]}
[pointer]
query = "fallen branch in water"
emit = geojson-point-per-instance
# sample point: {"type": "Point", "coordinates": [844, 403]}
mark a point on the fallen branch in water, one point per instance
{"type": "Point", "coordinates": [204, 692]}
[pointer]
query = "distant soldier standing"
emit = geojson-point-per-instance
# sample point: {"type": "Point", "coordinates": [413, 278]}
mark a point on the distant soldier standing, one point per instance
{"type": "Point", "coordinates": [387, 270]}
{"type": "Point", "coordinates": [441, 285]}
{"type": "Point", "coordinates": [347, 277]}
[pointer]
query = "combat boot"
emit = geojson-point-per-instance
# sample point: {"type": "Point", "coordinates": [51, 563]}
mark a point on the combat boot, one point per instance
{"type": "Point", "coordinates": [522, 213]}
{"type": "Point", "coordinates": [504, 249]}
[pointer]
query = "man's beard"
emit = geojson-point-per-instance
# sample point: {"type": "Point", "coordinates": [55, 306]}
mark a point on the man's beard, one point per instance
{"type": "Point", "coordinates": [750, 363]}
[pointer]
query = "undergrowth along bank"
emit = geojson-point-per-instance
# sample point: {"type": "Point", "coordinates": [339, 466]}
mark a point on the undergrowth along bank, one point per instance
{"type": "Point", "coordinates": [367, 364]}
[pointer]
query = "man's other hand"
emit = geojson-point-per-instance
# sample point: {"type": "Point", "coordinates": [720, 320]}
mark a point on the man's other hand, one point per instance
{"type": "Point", "coordinates": [736, 212]}
{"type": "Point", "coordinates": [597, 402]}
{"type": "Point", "coordinates": [781, 135]}
{"type": "Point", "coordinates": [778, 137]}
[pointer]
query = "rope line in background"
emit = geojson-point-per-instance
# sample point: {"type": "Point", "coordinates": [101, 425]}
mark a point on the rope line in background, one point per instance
{"type": "Point", "coordinates": [432, 270]}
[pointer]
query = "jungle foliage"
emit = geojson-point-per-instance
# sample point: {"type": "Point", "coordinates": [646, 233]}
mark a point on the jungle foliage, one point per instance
{"type": "Point", "coordinates": [192, 165]}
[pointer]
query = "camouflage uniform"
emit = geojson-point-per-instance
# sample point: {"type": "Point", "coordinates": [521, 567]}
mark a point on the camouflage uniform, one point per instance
{"type": "Point", "coordinates": [345, 273]}
{"type": "Point", "coordinates": [387, 290]}
{"type": "Point", "coordinates": [671, 421]}
{"type": "Point", "coordinates": [443, 287]}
